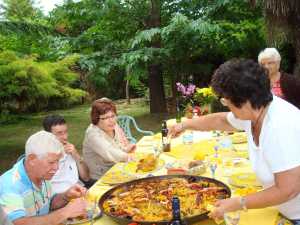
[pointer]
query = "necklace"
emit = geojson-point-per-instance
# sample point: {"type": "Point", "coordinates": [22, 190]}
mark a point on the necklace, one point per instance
{"type": "Point", "coordinates": [36, 204]}
{"type": "Point", "coordinates": [254, 127]}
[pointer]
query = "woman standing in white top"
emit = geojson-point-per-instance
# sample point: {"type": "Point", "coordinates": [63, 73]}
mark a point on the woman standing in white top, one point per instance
{"type": "Point", "coordinates": [104, 143]}
{"type": "Point", "coordinates": [272, 126]}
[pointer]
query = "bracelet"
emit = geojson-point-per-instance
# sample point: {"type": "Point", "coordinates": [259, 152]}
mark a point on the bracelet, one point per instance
{"type": "Point", "coordinates": [243, 204]}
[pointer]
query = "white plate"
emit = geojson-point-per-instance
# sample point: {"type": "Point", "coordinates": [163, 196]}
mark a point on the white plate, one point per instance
{"type": "Point", "coordinates": [96, 215]}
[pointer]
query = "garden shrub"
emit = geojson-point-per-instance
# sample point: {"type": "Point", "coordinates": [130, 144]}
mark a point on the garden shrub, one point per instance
{"type": "Point", "coordinates": [29, 85]}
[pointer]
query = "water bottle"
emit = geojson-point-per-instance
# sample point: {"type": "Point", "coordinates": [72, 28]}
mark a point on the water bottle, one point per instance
{"type": "Point", "coordinates": [176, 219]}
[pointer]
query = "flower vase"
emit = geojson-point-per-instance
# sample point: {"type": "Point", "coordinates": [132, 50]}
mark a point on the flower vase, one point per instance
{"type": "Point", "coordinates": [188, 112]}
{"type": "Point", "coordinates": [205, 109]}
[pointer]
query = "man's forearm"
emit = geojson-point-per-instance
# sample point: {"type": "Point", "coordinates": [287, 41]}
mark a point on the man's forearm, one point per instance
{"type": "Point", "coordinates": [54, 218]}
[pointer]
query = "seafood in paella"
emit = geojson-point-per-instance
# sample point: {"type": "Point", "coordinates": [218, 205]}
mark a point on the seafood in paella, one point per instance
{"type": "Point", "coordinates": [150, 200]}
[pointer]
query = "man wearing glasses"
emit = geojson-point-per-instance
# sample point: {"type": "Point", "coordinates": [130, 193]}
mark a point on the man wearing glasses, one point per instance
{"type": "Point", "coordinates": [71, 165]}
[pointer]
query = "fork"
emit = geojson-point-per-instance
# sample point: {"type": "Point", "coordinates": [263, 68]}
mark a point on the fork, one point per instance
{"type": "Point", "coordinates": [93, 211]}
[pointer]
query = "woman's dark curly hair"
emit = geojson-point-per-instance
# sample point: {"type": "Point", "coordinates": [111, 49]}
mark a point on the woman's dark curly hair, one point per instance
{"type": "Point", "coordinates": [241, 81]}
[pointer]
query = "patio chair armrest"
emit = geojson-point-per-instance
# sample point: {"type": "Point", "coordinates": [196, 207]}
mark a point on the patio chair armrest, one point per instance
{"type": "Point", "coordinates": [146, 132]}
{"type": "Point", "coordinates": [132, 140]}
{"type": "Point", "coordinates": [140, 130]}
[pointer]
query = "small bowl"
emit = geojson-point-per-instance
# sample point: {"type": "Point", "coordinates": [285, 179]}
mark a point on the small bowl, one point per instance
{"type": "Point", "coordinates": [197, 168]}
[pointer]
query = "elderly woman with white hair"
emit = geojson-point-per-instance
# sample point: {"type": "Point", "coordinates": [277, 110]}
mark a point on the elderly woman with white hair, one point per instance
{"type": "Point", "coordinates": [26, 196]}
{"type": "Point", "coordinates": [283, 85]}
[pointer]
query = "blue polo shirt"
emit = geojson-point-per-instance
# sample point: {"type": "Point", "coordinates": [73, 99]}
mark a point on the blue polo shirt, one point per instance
{"type": "Point", "coordinates": [19, 197]}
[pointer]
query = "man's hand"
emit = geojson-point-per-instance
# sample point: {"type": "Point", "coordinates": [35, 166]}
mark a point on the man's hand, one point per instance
{"type": "Point", "coordinates": [70, 149]}
{"type": "Point", "coordinates": [75, 191]}
{"type": "Point", "coordinates": [76, 208]}
{"type": "Point", "coordinates": [176, 130]}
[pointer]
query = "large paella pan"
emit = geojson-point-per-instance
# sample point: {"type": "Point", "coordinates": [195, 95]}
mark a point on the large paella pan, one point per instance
{"type": "Point", "coordinates": [148, 200]}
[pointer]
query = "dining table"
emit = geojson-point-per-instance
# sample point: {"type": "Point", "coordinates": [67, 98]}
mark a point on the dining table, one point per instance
{"type": "Point", "coordinates": [230, 157]}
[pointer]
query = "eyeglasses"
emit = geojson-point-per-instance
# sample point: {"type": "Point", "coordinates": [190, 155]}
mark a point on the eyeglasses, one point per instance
{"type": "Point", "coordinates": [224, 101]}
{"type": "Point", "coordinates": [108, 117]}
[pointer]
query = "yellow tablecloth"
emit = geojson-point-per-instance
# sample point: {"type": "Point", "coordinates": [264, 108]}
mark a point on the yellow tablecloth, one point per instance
{"type": "Point", "coordinates": [265, 216]}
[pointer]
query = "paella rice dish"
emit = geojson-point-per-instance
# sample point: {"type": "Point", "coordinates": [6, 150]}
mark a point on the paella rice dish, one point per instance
{"type": "Point", "coordinates": [150, 200]}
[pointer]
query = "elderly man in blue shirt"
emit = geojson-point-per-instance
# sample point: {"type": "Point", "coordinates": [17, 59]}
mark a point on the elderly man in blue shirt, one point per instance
{"type": "Point", "coordinates": [26, 195]}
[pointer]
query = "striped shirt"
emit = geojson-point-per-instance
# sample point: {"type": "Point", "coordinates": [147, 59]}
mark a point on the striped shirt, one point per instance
{"type": "Point", "coordinates": [19, 197]}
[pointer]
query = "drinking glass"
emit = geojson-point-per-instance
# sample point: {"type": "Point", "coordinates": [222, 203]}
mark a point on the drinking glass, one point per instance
{"type": "Point", "coordinates": [213, 167]}
{"type": "Point", "coordinates": [232, 218]}
{"type": "Point", "coordinates": [91, 209]}
{"type": "Point", "coordinates": [188, 137]}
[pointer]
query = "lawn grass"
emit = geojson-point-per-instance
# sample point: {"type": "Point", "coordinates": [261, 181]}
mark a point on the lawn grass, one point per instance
{"type": "Point", "coordinates": [14, 136]}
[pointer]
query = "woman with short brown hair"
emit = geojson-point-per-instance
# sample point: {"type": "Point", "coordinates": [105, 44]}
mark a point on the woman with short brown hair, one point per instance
{"type": "Point", "coordinates": [104, 143]}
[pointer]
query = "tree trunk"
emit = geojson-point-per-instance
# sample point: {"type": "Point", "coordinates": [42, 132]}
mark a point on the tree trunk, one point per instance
{"type": "Point", "coordinates": [296, 44]}
{"type": "Point", "coordinates": [127, 92]}
{"type": "Point", "coordinates": [156, 88]}
{"type": "Point", "coordinates": [157, 94]}
{"type": "Point", "coordinates": [285, 14]}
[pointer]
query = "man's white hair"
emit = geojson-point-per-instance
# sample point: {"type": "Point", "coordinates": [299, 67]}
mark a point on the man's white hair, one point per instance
{"type": "Point", "coordinates": [41, 143]}
{"type": "Point", "coordinates": [269, 53]}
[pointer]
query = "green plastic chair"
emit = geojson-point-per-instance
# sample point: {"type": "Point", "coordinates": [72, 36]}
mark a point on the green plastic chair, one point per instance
{"type": "Point", "coordinates": [125, 121]}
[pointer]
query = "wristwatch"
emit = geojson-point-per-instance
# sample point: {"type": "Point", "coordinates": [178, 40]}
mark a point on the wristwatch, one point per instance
{"type": "Point", "coordinates": [243, 204]}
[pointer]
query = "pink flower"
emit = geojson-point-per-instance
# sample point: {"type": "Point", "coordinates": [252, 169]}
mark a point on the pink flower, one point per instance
{"type": "Point", "coordinates": [186, 91]}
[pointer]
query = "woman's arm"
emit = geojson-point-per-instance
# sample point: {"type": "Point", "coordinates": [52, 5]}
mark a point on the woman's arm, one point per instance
{"type": "Point", "coordinates": [287, 186]}
{"type": "Point", "coordinates": [215, 121]}
{"type": "Point", "coordinates": [126, 145]}
{"type": "Point", "coordinates": [107, 150]}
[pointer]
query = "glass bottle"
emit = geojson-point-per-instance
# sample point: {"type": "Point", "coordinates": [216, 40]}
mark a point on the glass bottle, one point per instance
{"type": "Point", "coordinates": [164, 136]}
{"type": "Point", "coordinates": [178, 113]}
{"type": "Point", "coordinates": [176, 219]}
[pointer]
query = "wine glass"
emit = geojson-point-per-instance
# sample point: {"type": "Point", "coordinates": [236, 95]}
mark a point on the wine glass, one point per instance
{"type": "Point", "coordinates": [212, 164]}
{"type": "Point", "coordinates": [213, 167]}
{"type": "Point", "coordinates": [232, 218]}
{"type": "Point", "coordinates": [216, 148]}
